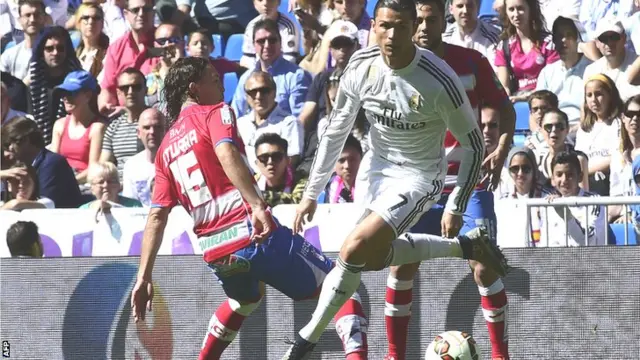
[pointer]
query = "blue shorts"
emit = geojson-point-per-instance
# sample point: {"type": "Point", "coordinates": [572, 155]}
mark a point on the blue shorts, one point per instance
{"type": "Point", "coordinates": [284, 261]}
{"type": "Point", "coordinates": [480, 212]}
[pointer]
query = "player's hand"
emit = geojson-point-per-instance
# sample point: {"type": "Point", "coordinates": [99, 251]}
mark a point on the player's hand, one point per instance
{"type": "Point", "coordinates": [141, 298]}
{"type": "Point", "coordinates": [262, 223]}
{"type": "Point", "coordinates": [493, 165]}
{"type": "Point", "coordinates": [306, 208]}
{"type": "Point", "coordinates": [451, 224]}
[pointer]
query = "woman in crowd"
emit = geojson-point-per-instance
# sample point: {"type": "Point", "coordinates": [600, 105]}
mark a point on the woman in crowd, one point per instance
{"type": "Point", "coordinates": [555, 127]}
{"type": "Point", "coordinates": [200, 44]}
{"type": "Point", "coordinates": [22, 189]}
{"type": "Point", "coordinates": [621, 177]}
{"type": "Point", "coordinates": [525, 49]}
{"type": "Point", "coordinates": [78, 136]}
{"type": "Point", "coordinates": [94, 44]}
{"type": "Point", "coordinates": [599, 133]}
{"type": "Point", "coordinates": [105, 186]}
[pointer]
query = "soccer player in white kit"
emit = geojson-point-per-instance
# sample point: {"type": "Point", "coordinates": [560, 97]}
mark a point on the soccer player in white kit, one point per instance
{"type": "Point", "coordinates": [410, 97]}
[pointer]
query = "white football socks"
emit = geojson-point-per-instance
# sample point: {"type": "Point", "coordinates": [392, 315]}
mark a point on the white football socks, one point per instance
{"type": "Point", "coordinates": [411, 248]}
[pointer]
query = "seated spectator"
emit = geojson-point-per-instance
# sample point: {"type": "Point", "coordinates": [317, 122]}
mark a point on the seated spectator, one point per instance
{"type": "Point", "coordinates": [92, 50]}
{"type": "Point", "coordinates": [289, 33]}
{"type": "Point", "coordinates": [564, 77]}
{"type": "Point", "coordinates": [267, 117]}
{"type": "Point", "coordinates": [616, 59]}
{"type": "Point", "coordinates": [169, 38]}
{"type": "Point", "coordinates": [139, 171]}
{"type": "Point", "coordinates": [471, 32]}
{"type": "Point", "coordinates": [275, 177]}
{"type": "Point", "coordinates": [200, 44]}
{"type": "Point", "coordinates": [315, 16]}
{"type": "Point", "coordinates": [105, 186]}
{"type": "Point", "coordinates": [120, 139]}
{"type": "Point", "coordinates": [525, 49]}
{"type": "Point", "coordinates": [53, 58]}
{"type": "Point", "coordinates": [22, 141]}
{"type": "Point", "coordinates": [16, 90]}
{"type": "Point", "coordinates": [599, 132]}
{"type": "Point", "coordinates": [540, 101]}
{"type": "Point", "coordinates": [354, 11]}
{"type": "Point", "coordinates": [520, 178]}
{"type": "Point", "coordinates": [579, 220]}
{"type": "Point", "coordinates": [131, 50]}
{"type": "Point", "coordinates": [592, 13]}
{"type": "Point", "coordinates": [6, 111]}
{"type": "Point", "coordinates": [341, 187]}
{"type": "Point", "coordinates": [490, 126]}
{"type": "Point", "coordinates": [78, 136]}
{"type": "Point", "coordinates": [16, 60]}
{"type": "Point", "coordinates": [322, 58]}
{"type": "Point", "coordinates": [115, 23]}
{"type": "Point", "coordinates": [291, 81]}
{"type": "Point", "coordinates": [555, 127]}
{"type": "Point", "coordinates": [22, 189]}
{"type": "Point", "coordinates": [23, 240]}
{"type": "Point", "coordinates": [621, 181]}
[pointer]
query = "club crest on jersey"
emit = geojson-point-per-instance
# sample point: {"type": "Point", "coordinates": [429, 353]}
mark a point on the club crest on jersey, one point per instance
{"type": "Point", "coordinates": [416, 102]}
{"type": "Point", "coordinates": [226, 115]}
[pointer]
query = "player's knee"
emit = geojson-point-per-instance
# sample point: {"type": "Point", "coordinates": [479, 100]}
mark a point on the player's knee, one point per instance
{"type": "Point", "coordinates": [244, 308]}
{"type": "Point", "coordinates": [483, 275]}
{"type": "Point", "coordinates": [354, 249]}
{"type": "Point", "coordinates": [404, 272]}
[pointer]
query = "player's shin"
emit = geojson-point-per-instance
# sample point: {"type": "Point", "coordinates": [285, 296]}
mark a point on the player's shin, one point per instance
{"type": "Point", "coordinates": [223, 327]}
{"type": "Point", "coordinates": [412, 248]}
{"type": "Point", "coordinates": [495, 310]}
{"type": "Point", "coordinates": [397, 313]}
{"type": "Point", "coordinates": [351, 326]}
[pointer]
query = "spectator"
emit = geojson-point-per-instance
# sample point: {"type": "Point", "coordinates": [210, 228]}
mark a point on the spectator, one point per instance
{"type": "Point", "coordinates": [622, 177]}
{"type": "Point", "coordinates": [616, 60]}
{"type": "Point", "coordinates": [121, 140]}
{"type": "Point", "coordinates": [22, 186]}
{"type": "Point", "coordinates": [490, 125]}
{"type": "Point", "coordinates": [16, 59]}
{"type": "Point", "coordinates": [631, 26]}
{"type": "Point", "coordinates": [564, 78]}
{"type": "Point", "coordinates": [579, 220]}
{"type": "Point", "coordinates": [341, 187]}
{"type": "Point", "coordinates": [105, 186]}
{"type": "Point", "coordinates": [53, 58]}
{"type": "Point", "coordinates": [169, 38]}
{"type": "Point", "coordinates": [115, 23]}
{"type": "Point", "coordinates": [354, 11]}
{"type": "Point", "coordinates": [520, 178]}
{"type": "Point", "coordinates": [131, 50]}
{"type": "Point", "coordinates": [275, 178]}
{"type": "Point", "coordinates": [16, 90]}
{"type": "Point", "coordinates": [139, 171]}
{"type": "Point", "coordinates": [289, 33]}
{"type": "Point", "coordinates": [525, 49]}
{"type": "Point", "coordinates": [551, 10]}
{"type": "Point", "coordinates": [93, 48]}
{"type": "Point", "coordinates": [6, 111]}
{"type": "Point", "coordinates": [469, 31]}
{"type": "Point", "coordinates": [267, 117]}
{"type": "Point", "coordinates": [592, 12]}
{"type": "Point", "coordinates": [200, 44]}
{"type": "Point", "coordinates": [599, 132]}
{"type": "Point", "coordinates": [22, 140]}
{"type": "Point", "coordinates": [23, 240]}
{"type": "Point", "coordinates": [555, 127]}
{"type": "Point", "coordinates": [291, 81]}
{"type": "Point", "coordinates": [540, 101]}
{"type": "Point", "coordinates": [78, 136]}
{"type": "Point", "coordinates": [315, 16]}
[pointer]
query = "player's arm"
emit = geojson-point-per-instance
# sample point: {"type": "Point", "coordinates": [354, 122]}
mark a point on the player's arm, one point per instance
{"type": "Point", "coordinates": [238, 173]}
{"type": "Point", "coordinates": [152, 239]}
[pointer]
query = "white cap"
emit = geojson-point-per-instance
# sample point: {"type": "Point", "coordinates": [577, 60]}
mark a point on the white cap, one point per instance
{"type": "Point", "coordinates": [342, 28]}
{"type": "Point", "coordinates": [605, 26]}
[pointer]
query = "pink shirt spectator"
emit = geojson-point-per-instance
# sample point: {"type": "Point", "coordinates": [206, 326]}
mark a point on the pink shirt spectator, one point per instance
{"type": "Point", "coordinates": [527, 67]}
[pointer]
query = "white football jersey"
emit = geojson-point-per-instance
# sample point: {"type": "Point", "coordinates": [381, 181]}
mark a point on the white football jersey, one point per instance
{"type": "Point", "coordinates": [410, 110]}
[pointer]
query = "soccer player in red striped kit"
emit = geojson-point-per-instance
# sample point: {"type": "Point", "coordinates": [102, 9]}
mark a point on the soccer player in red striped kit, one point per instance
{"type": "Point", "coordinates": [482, 88]}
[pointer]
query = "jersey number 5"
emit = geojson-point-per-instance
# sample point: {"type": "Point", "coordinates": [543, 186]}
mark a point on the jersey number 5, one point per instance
{"type": "Point", "coordinates": [192, 184]}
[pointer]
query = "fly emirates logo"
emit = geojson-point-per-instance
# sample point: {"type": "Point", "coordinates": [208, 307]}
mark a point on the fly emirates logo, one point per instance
{"type": "Point", "coordinates": [394, 119]}
{"type": "Point", "coordinates": [179, 146]}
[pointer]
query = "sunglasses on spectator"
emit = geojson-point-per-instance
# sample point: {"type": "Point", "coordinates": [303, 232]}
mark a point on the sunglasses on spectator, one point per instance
{"type": "Point", "coordinates": [85, 18]}
{"type": "Point", "coordinates": [275, 156]}
{"type": "Point", "coordinates": [535, 109]}
{"type": "Point", "coordinates": [490, 126]}
{"type": "Point", "coordinates": [549, 127]}
{"type": "Point", "coordinates": [526, 169]}
{"type": "Point", "coordinates": [125, 88]}
{"type": "Point", "coordinates": [631, 113]}
{"type": "Point", "coordinates": [50, 48]}
{"type": "Point", "coordinates": [271, 39]}
{"type": "Point", "coordinates": [170, 40]}
{"type": "Point", "coordinates": [610, 37]}
{"type": "Point", "coordinates": [264, 90]}
{"type": "Point", "coordinates": [145, 9]}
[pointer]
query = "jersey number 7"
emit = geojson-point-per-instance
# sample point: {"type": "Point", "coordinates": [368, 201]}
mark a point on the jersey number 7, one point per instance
{"type": "Point", "coordinates": [192, 184]}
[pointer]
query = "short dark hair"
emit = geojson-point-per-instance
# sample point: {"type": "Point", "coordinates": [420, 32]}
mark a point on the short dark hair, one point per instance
{"type": "Point", "coordinates": [563, 21]}
{"type": "Point", "coordinates": [397, 5]}
{"type": "Point", "coordinates": [272, 139]}
{"type": "Point", "coordinates": [20, 238]}
{"type": "Point", "coordinates": [353, 143]}
{"type": "Point", "coordinates": [438, 3]}
{"type": "Point", "coordinates": [20, 128]}
{"type": "Point", "coordinates": [133, 71]}
{"type": "Point", "coordinates": [266, 24]}
{"type": "Point", "coordinates": [202, 31]}
{"type": "Point", "coordinates": [544, 95]}
{"type": "Point", "coordinates": [32, 3]}
{"type": "Point", "coordinates": [567, 157]}
{"type": "Point", "coordinates": [561, 114]}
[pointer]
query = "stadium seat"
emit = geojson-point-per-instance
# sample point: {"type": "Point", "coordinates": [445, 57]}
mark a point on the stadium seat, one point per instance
{"type": "Point", "coordinates": [230, 82]}
{"type": "Point", "coordinates": [10, 44]}
{"type": "Point", "coordinates": [371, 5]}
{"type": "Point", "coordinates": [618, 232]}
{"type": "Point", "coordinates": [284, 6]}
{"type": "Point", "coordinates": [76, 38]}
{"type": "Point", "coordinates": [233, 48]}
{"type": "Point", "coordinates": [218, 46]}
{"type": "Point", "coordinates": [486, 10]}
{"type": "Point", "coordinates": [522, 117]}
{"type": "Point", "coordinates": [518, 140]}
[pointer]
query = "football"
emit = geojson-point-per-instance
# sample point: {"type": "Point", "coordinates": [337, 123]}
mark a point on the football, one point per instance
{"type": "Point", "coordinates": [453, 345]}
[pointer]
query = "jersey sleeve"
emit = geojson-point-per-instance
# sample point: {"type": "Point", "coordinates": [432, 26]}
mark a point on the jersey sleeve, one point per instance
{"type": "Point", "coordinates": [221, 125]}
{"type": "Point", "coordinates": [340, 122]}
{"type": "Point", "coordinates": [490, 90]}
{"type": "Point", "coordinates": [164, 194]}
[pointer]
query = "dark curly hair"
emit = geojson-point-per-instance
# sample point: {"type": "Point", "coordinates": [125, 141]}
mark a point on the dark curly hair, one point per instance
{"type": "Point", "coordinates": [176, 85]}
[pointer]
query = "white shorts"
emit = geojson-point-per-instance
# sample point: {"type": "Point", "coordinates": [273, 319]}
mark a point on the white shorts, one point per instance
{"type": "Point", "coordinates": [398, 195]}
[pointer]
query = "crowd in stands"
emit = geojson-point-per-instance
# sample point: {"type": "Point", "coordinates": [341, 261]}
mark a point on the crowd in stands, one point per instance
{"type": "Point", "coordinates": [83, 108]}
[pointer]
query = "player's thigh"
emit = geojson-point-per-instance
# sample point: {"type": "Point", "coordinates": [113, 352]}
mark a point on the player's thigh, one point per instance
{"type": "Point", "coordinates": [237, 277]}
{"type": "Point", "coordinates": [480, 212]}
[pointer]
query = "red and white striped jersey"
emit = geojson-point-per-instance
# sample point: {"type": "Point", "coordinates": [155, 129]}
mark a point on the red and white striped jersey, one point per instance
{"type": "Point", "coordinates": [482, 87]}
{"type": "Point", "coordinates": [189, 173]}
